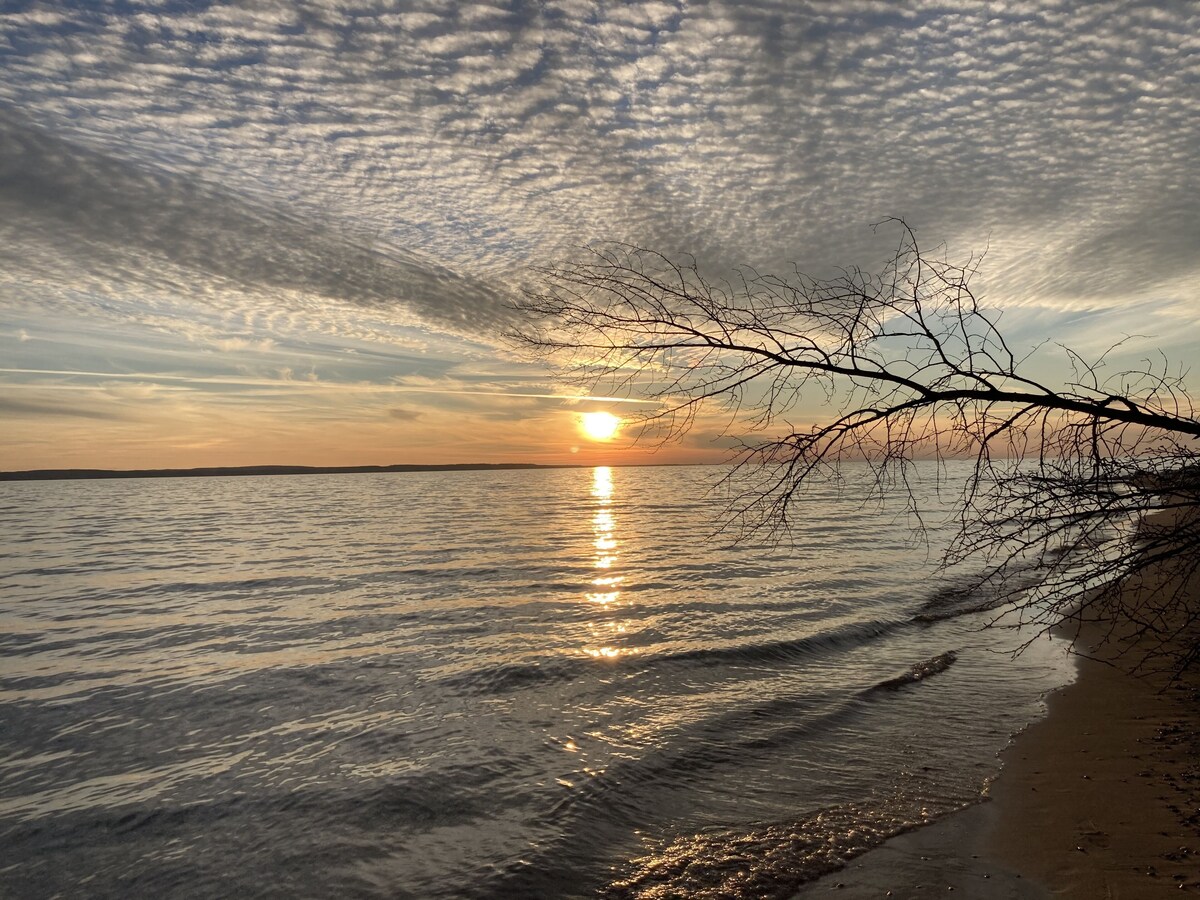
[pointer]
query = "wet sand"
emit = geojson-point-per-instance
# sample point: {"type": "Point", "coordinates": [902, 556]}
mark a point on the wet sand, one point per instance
{"type": "Point", "coordinates": [949, 857]}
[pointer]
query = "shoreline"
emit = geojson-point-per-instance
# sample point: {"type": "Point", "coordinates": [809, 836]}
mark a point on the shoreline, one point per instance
{"type": "Point", "coordinates": [251, 471]}
{"type": "Point", "coordinates": [1099, 799]}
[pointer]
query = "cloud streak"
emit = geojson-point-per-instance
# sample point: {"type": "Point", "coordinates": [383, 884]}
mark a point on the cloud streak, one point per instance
{"type": "Point", "coordinates": [290, 383]}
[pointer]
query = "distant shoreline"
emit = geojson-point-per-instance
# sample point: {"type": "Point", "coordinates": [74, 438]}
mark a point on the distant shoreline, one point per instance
{"type": "Point", "coordinates": [242, 471]}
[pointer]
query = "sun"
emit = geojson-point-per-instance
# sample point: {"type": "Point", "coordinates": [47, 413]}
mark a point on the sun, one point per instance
{"type": "Point", "coordinates": [599, 426]}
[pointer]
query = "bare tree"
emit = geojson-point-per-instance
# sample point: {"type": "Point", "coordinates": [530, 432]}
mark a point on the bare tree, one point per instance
{"type": "Point", "coordinates": [911, 366]}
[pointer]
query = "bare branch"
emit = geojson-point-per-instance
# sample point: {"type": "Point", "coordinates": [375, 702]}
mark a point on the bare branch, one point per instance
{"type": "Point", "coordinates": [914, 367]}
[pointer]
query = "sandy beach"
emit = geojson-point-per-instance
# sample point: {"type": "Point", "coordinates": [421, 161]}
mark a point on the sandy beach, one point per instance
{"type": "Point", "coordinates": [1099, 800]}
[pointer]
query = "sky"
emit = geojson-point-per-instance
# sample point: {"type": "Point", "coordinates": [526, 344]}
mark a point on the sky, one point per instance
{"type": "Point", "coordinates": [291, 232]}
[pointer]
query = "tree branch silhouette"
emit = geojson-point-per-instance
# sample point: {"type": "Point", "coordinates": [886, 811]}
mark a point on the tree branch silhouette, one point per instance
{"type": "Point", "coordinates": [911, 365]}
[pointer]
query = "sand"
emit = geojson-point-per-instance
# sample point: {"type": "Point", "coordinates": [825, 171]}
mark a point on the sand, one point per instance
{"type": "Point", "coordinates": [947, 858]}
{"type": "Point", "coordinates": [1101, 799]}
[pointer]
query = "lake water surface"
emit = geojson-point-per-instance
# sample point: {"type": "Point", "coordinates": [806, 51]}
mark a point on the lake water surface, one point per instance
{"type": "Point", "coordinates": [545, 683]}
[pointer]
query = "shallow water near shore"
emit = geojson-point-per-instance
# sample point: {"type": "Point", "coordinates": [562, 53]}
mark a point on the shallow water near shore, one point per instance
{"type": "Point", "coordinates": [485, 684]}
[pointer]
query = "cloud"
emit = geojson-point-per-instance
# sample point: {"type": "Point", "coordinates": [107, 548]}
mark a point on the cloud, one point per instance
{"type": "Point", "coordinates": [78, 213]}
{"type": "Point", "coordinates": [482, 138]}
{"type": "Point", "coordinates": [11, 406]}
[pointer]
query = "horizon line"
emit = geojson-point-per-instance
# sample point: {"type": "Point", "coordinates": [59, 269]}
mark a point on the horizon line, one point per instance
{"type": "Point", "coordinates": [67, 474]}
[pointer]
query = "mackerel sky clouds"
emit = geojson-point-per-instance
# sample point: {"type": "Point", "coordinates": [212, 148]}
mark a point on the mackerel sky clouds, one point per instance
{"type": "Point", "coordinates": [289, 232]}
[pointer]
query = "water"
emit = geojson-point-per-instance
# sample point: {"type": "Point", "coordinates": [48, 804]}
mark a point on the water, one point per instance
{"type": "Point", "coordinates": [486, 684]}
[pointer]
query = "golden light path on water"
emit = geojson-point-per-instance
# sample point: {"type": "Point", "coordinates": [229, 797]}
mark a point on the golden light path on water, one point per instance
{"type": "Point", "coordinates": [606, 590]}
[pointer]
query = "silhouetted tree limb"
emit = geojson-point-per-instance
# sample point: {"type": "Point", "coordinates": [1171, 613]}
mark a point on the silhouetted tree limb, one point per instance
{"type": "Point", "coordinates": [911, 366]}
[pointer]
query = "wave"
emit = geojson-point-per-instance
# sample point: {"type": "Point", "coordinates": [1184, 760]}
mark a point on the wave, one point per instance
{"type": "Point", "coordinates": [514, 676]}
{"type": "Point", "coordinates": [627, 794]}
{"type": "Point", "coordinates": [962, 598]}
{"type": "Point", "coordinates": [980, 592]}
{"type": "Point", "coordinates": [775, 860]}
{"type": "Point", "coordinates": [839, 638]}
{"type": "Point", "coordinates": [919, 672]}
{"type": "Point", "coordinates": [950, 602]}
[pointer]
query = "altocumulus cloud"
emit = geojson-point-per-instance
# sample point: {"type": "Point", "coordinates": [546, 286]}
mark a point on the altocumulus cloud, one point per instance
{"type": "Point", "coordinates": [418, 156]}
{"type": "Point", "coordinates": [81, 214]}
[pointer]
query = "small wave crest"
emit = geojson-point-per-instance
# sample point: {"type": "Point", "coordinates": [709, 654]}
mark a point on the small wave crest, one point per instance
{"type": "Point", "coordinates": [976, 594]}
{"type": "Point", "coordinates": [782, 651]}
{"type": "Point", "coordinates": [499, 679]}
{"type": "Point", "coordinates": [775, 860]}
{"type": "Point", "coordinates": [919, 672]}
{"type": "Point", "coordinates": [962, 599]}
{"type": "Point", "coordinates": [514, 676]}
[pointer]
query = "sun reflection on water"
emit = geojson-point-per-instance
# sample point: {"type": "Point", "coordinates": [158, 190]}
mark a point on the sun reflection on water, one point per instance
{"type": "Point", "coordinates": [602, 483]}
{"type": "Point", "coordinates": [606, 586]}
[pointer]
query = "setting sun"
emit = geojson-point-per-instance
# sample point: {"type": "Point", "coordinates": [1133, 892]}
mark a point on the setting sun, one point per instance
{"type": "Point", "coordinates": [599, 426]}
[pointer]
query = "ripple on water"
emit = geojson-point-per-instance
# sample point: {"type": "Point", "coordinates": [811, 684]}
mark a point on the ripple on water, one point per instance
{"type": "Point", "coordinates": [472, 684]}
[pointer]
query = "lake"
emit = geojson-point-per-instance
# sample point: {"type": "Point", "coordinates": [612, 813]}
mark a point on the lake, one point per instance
{"type": "Point", "coordinates": [549, 683]}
